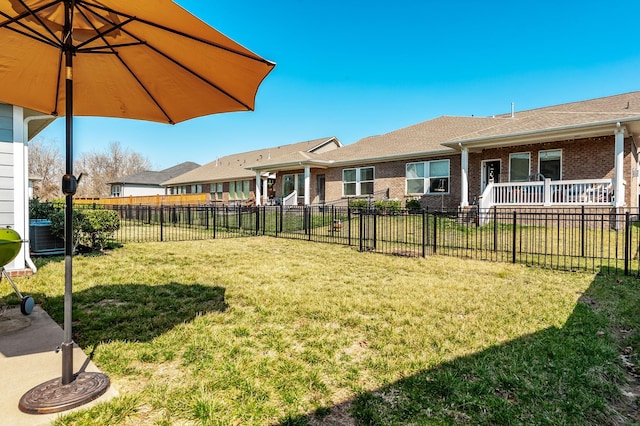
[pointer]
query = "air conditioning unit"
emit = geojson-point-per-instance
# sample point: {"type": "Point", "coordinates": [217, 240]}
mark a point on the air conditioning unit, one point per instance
{"type": "Point", "coordinates": [41, 241]}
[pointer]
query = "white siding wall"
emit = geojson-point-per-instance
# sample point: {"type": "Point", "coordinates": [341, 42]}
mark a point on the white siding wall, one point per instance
{"type": "Point", "coordinates": [7, 199]}
{"type": "Point", "coordinates": [134, 190]}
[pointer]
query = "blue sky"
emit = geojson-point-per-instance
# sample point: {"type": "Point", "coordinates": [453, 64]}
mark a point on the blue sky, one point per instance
{"type": "Point", "coordinates": [353, 69]}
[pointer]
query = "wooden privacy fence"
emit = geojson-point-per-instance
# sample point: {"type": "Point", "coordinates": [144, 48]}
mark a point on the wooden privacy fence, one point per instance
{"type": "Point", "coordinates": [148, 200]}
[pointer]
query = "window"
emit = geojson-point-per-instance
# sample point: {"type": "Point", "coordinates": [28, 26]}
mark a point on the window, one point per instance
{"type": "Point", "coordinates": [428, 177]}
{"type": "Point", "coordinates": [519, 167]}
{"type": "Point", "coordinates": [196, 189]}
{"type": "Point", "coordinates": [551, 164]}
{"type": "Point", "coordinates": [216, 191]}
{"type": "Point", "coordinates": [239, 190]}
{"type": "Point", "coordinates": [116, 190]}
{"type": "Point", "coordinates": [357, 182]}
{"type": "Point", "coordinates": [292, 183]}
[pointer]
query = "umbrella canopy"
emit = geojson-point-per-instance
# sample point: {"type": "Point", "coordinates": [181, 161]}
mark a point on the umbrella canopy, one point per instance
{"type": "Point", "coordinates": [141, 59]}
{"type": "Point", "coordinates": [144, 59]}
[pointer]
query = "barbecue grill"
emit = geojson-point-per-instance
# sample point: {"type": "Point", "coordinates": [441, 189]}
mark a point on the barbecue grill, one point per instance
{"type": "Point", "coordinates": [10, 244]}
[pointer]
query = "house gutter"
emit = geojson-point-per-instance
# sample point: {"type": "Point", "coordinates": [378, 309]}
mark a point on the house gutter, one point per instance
{"type": "Point", "coordinates": [573, 131]}
{"type": "Point", "coordinates": [25, 136]}
{"type": "Point", "coordinates": [397, 157]}
{"type": "Point", "coordinates": [291, 165]}
{"type": "Point", "coordinates": [368, 160]}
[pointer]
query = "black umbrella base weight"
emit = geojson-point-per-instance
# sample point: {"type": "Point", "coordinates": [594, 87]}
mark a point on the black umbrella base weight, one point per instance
{"type": "Point", "coordinates": [53, 397]}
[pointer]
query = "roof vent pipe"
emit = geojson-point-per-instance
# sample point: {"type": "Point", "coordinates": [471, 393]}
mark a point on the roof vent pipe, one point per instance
{"type": "Point", "coordinates": [513, 110]}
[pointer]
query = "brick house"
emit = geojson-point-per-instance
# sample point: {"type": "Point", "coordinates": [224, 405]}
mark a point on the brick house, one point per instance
{"type": "Point", "coordinates": [148, 182]}
{"type": "Point", "coordinates": [232, 179]}
{"type": "Point", "coordinates": [580, 153]}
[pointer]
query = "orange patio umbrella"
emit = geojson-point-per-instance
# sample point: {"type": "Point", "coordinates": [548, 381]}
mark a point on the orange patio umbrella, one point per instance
{"type": "Point", "coordinates": [140, 59]}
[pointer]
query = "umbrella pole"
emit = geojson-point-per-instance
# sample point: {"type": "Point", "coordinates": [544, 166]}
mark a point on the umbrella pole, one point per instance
{"type": "Point", "coordinates": [71, 390]}
{"type": "Point", "coordinates": [67, 344]}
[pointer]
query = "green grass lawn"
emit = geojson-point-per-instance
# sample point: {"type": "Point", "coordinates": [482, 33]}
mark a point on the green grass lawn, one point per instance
{"type": "Point", "coordinates": [264, 331]}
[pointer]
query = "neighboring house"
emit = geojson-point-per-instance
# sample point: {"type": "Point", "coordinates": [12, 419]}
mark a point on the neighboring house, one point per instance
{"type": "Point", "coordinates": [17, 127]}
{"type": "Point", "coordinates": [580, 153]}
{"type": "Point", "coordinates": [232, 179]}
{"type": "Point", "coordinates": [148, 182]}
{"type": "Point", "coordinates": [33, 180]}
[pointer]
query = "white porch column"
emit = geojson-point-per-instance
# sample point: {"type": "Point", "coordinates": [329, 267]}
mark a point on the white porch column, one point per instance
{"type": "Point", "coordinates": [307, 186]}
{"type": "Point", "coordinates": [20, 180]}
{"type": "Point", "coordinates": [258, 190]}
{"type": "Point", "coordinates": [619, 167]}
{"type": "Point", "coordinates": [265, 189]}
{"type": "Point", "coordinates": [464, 178]}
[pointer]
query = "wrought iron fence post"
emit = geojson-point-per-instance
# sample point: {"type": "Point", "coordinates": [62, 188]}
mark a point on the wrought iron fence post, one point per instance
{"type": "Point", "coordinates": [627, 242]}
{"type": "Point", "coordinates": [349, 226]}
{"type": "Point", "coordinates": [361, 229]}
{"type": "Point", "coordinates": [215, 221]}
{"type": "Point", "coordinates": [513, 248]}
{"type": "Point", "coordinates": [375, 228]}
{"type": "Point", "coordinates": [275, 221]}
{"type": "Point", "coordinates": [161, 223]}
{"type": "Point", "coordinates": [424, 233]}
{"type": "Point", "coordinates": [495, 229]}
{"type": "Point", "coordinates": [435, 233]}
{"type": "Point", "coordinates": [582, 231]}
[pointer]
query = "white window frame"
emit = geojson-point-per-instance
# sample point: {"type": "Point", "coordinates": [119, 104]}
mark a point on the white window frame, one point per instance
{"type": "Point", "coordinates": [511, 155]}
{"type": "Point", "coordinates": [550, 150]}
{"type": "Point", "coordinates": [298, 184]}
{"type": "Point", "coordinates": [239, 187]}
{"type": "Point", "coordinates": [359, 181]}
{"type": "Point", "coordinates": [427, 177]}
{"type": "Point", "coordinates": [216, 190]}
{"type": "Point", "coordinates": [116, 190]}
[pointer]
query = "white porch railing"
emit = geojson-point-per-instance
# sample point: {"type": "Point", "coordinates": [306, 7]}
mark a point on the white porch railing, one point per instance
{"type": "Point", "coordinates": [291, 199]}
{"type": "Point", "coordinates": [588, 192]}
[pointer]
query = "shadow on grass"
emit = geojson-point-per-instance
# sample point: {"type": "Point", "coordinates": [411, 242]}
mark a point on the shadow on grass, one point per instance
{"type": "Point", "coordinates": [134, 312]}
{"type": "Point", "coordinates": [568, 375]}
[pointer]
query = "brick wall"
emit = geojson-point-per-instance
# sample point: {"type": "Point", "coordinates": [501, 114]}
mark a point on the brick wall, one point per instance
{"type": "Point", "coordinates": [391, 176]}
{"type": "Point", "coordinates": [590, 158]}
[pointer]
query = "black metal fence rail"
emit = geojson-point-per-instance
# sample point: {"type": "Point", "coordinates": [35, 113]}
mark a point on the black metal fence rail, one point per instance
{"type": "Point", "coordinates": [571, 240]}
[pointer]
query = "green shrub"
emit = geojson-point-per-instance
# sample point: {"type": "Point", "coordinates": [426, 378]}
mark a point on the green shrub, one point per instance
{"type": "Point", "coordinates": [98, 226]}
{"type": "Point", "coordinates": [413, 205]}
{"type": "Point", "coordinates": [92, 228]}
{"type": "Point", "coordinates": [358, 203]}
{"type": "Point", "coordinates": [42, 210]}
{"type": "Point", "coordinates": [388, 206]}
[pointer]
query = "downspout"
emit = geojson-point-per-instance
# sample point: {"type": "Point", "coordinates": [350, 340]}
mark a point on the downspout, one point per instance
{"type": "Point", "coordinates": [464, 175]}
{"type": "Point", "coordinates": [619, 166]}
{"type": "Point", "coordinates": [25, 140]}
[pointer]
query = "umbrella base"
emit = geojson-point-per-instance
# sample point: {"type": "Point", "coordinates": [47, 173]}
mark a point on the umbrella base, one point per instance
{"type": "Point", "coordinates": [53, 397]}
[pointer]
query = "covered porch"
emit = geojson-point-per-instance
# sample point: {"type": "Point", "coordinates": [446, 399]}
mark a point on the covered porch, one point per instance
{"type": "Point", "coordinates": [548, 193]}
{"type": "Point", "coordinates": [593, 166]}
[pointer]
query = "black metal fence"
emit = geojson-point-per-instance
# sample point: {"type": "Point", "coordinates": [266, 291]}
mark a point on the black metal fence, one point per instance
{"type": "Point", "coordinates": [571, 240]}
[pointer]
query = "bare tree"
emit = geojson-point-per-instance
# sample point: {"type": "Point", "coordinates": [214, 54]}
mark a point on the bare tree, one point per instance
{"type": "Point", "coordinates": [46, 163]}
{"type": "Point", "coordinates": [100, 168]}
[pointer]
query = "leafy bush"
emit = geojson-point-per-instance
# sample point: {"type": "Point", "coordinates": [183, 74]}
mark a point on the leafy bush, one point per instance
{"type": "Point", "coordinates": [98, 226]}
{"type": "Point", "coordinates": [388, 206]}
{"type": "Point", "coordinates": [43, 210]}
{"type": "Point", "coordinates": [358, 203]}
{"type": "Point", "coordinates": [413, 205]}
{"type": "Point", "coordinates": [92, 228]}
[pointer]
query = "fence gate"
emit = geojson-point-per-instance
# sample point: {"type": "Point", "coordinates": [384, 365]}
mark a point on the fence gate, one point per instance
{"type": "Point", "coordinates": [367, 231]}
